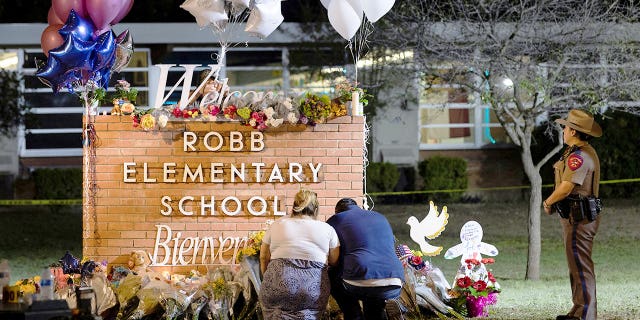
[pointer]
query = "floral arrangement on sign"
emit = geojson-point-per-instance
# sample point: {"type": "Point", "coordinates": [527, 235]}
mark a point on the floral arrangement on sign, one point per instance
{"type": "Point", "coordinates": [258, 110]}
{"type": "Point", "coordinates": [124, 98]}
{"type": "Point", "coordinates": [475, 289]}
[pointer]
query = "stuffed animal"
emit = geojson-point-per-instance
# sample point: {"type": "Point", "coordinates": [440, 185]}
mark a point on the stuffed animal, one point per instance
{"type": "Point", "coordinates": [138, 262]}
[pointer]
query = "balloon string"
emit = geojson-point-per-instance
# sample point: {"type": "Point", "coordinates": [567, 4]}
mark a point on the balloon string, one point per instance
{"type": "Point", "coordinates": [89, 141]}
{"type": "Point", "coordinates": [359, 43]}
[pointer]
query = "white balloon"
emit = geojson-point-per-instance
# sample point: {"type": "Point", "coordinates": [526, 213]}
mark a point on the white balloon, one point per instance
{"type": "Point", "coordinates": [206, 12]}
{"type": "Point", "coordinates": [265, 17]}
{"type": "Point", "coordinates": [357, 6]}
{"type": "Point", "coordinates": [344, 18]}
{"type": "Point", "coordinates": [375, 9]}
{"type": "Point", "coordinates": [241, 3]}
{"type": "Point", "coordinates": [325, 3]}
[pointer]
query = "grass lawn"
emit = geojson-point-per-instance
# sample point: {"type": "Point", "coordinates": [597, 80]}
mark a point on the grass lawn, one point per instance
{"type": "Point", "coordinates": [32, 237]}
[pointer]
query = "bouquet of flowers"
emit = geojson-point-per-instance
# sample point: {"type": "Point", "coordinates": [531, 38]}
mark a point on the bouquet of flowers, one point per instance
{"type": "Point", "coordinates": [475, 288]}
{"type": "Point", "coordinates": [252, 249]}
{"type": "Point", "coordinates": [124, 98]}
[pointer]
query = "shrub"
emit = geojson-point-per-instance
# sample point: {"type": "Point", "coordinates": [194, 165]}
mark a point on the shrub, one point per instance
{"type": "Point", "coordinates": [444, 173]}
{"type": "Point", "coordinates": [58, 184]}
{"type": "Point", "coordinates": [382, 176]}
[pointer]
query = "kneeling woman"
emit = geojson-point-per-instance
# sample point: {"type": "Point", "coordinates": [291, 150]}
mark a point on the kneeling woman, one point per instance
{"type": "Point", "coordinates": [294, 255]}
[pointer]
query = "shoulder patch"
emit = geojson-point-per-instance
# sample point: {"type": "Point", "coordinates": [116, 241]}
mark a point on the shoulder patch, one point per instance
{"type": "Point", "coordinates": [574, 161]}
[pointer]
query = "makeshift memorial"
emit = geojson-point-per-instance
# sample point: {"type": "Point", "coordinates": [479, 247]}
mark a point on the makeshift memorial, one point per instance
{"type": "Point", "coordinates": [475, 287]}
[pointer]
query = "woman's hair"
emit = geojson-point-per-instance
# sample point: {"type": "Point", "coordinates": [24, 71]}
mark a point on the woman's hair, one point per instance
{"type": "Point", "coordinates": [583, 136]}
{"type": "Point", "coordinates": [305, 203]}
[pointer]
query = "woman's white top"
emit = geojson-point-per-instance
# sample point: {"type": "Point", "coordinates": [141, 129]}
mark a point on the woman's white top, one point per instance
{"type": "Point", "coordinates": [296, 238]}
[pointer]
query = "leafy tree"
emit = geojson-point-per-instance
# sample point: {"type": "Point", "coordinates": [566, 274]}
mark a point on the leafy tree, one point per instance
{"type": "Point", "coordinates": [14, 112]}
{"type": "Point", "coordinates": [527, 60]}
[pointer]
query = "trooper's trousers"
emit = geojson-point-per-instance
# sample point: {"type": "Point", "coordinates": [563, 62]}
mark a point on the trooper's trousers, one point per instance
{"type": "Point", "coordinates": [578, 243]}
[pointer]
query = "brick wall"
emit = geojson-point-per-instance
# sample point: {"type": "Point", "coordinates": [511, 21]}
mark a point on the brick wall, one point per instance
{"type": "Point", "coordinates": [127, 211]}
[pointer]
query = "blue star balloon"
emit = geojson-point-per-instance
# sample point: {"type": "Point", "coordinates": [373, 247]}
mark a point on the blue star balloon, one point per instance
{"type": "Point", "coordinates": [78, 26]}
{"type": "Point", "coordinates": [75, 53]}
{"type": "Point", "coordinates": [52, 74]}
{"type": "Point", "coordinates": [70, 264]}
{"type": "Point", "coordinates": [104, 54]}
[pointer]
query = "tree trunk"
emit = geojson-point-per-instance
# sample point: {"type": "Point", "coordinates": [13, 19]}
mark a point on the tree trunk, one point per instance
{"type": "Point", "coordinates": [535, 248]}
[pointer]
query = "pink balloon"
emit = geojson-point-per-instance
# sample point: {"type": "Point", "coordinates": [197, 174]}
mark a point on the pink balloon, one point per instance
{"type": "Point", "coordinates": [102, 12]}
{"type": "Point", "coordinates": [63, 7]}
{"type": "Point", "coordinates": [50, 38]}
{"type": "Point", "coordinates": [52, 18]}
{"type": "Point", "coordinates": [126, 7]}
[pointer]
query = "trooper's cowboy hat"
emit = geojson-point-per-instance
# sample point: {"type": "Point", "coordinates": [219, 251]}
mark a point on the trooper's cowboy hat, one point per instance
{"type": "Point", "coordinates": [581, 121]}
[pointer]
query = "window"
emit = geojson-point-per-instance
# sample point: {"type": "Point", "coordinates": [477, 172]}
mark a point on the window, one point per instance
{"type": "Point", "coordinates": [453, 117]}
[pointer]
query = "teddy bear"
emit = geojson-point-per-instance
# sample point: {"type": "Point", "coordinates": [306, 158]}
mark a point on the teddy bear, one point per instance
{"type": "Point", "coordinates": [138, 262]}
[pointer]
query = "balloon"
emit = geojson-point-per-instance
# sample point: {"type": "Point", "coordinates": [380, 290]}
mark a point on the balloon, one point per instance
{"type": "Point", "coordinates": [74, 53]}
{"type": "Point", "coordinates": [102, 12]}
{"type": "Point", "coordinates": [357, 7]}
{"type": "Point", "coordinates": [52, 18]}
{"type": "Point", "coordinates": [50, 38]}
{"type": "Point", "coordinates": [63, 7]}
{"type": "Point", "coordinates": [326, 3]}
{"type": "Point", "coordinates": [104, 53]}
{"type": "Point", "coordinates": [265, 17]}
{"type": "Point", "coordinates": [77, 26]}
{"type": "Point", "coordinates": [344, 18]}
{"type": "Point", "coordinates": [206, 13]}
{"type": "Point", "coordinates": [70, 264]}
{"type": "Point", "coordinates": [124, 50]}
{"type": "Point", "coordinates": [241, 3]}
{"type": "Point", "coordinates": [376, 9]}
{"type": "Point", "coordinates": [52, 74]}
{"type": "Point", "coordinates": [124, 10]}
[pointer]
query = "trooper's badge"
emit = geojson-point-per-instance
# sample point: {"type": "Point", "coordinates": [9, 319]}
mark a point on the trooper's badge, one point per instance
{"type": "Point", "coordinates": [574, 161]}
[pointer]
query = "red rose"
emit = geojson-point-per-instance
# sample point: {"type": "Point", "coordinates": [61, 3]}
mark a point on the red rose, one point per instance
{"type": "Point", "coordinates": [463, 282]}
{"type": "Point", "coordinates": [177, 112]}
{"type": "Point", "coordinates": [490, 276]}
{"type": "Point", "coordinates": [415, 260]}
{"type": "Point", "coordinates": [479, 285]}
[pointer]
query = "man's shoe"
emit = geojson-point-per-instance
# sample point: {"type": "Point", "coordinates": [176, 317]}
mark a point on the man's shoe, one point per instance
{"type": "Point", "coordinates": [566, 317]}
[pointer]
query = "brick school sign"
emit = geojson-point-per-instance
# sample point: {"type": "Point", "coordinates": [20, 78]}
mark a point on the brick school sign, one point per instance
{"type": "Point", "coordinates": [190, 194]}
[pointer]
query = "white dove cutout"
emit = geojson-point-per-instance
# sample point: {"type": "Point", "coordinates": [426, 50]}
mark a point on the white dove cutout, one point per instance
{"type": "Point", "coordinates": [471, 246]}
{"type": "Point", "coordinates": [429, 228]}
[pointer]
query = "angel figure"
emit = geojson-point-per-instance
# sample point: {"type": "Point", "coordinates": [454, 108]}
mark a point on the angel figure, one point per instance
{"type": "Point", "coordinates": [471, 246]}
{"type": "Point", "coordinates": [429, 228]}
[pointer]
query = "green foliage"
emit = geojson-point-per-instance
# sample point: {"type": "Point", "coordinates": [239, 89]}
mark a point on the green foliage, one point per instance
{"type": "Point", "coordinates": [382, 176]}
{"type": "Point", "coordinates": [14, 112]}
{"type": "Point", "coordinates": [58, 184]}
{"type": "Point", "coordinates": [316, 107]}
{"type": "Point", "coordinates": [444, 173]}
{"type": "Point", "coordinates": [618, 150]}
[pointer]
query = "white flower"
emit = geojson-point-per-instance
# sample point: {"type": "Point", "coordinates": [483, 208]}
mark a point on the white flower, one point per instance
{"type": "Point", "coordinates": [275, 122]}
{"type": "Point", "coordinates": [269, 112]}
{"type": "Point", "coordinates": [292, 117]}
{"type": "Point", "coordinates": [162, 121]}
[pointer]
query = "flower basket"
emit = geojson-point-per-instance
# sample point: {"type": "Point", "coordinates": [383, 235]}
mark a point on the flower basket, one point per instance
{"type": "Point", "coordinates": [478, 306]}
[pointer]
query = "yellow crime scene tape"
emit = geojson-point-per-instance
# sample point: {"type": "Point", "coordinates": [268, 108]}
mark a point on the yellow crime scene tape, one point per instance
{"type": "Point", "coordinates": [67, 202]}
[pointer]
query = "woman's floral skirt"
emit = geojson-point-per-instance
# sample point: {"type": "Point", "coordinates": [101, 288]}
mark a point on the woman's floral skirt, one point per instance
{"type": "Point", "coordinates": [294, 289]}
